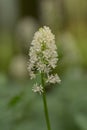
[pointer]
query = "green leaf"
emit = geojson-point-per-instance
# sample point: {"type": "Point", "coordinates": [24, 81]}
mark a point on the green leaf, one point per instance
{"type": "Point", "coordinates": [16, 99]}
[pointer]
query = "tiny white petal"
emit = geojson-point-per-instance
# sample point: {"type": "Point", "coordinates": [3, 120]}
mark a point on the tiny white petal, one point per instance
{"type": "Point", "coordinates": [37, 88]}
{"type": "Point", "coordinates": [53, 79]}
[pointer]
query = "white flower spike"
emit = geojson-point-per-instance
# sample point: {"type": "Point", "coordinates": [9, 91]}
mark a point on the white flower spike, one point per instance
{"type": "Point", "coordinates": [43, 55]}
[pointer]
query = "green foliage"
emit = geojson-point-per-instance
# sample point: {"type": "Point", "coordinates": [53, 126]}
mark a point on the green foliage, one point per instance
{"type": "Point", "coordinates": [21, 109]}
{"type": "Point", "coordinates": [6, 51]}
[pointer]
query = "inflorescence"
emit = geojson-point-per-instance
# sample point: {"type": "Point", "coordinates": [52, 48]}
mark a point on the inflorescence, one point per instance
{"type": "Point", "coordinates": [43, 57]}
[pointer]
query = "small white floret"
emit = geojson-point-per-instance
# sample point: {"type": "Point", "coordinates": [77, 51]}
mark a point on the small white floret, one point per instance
{"type": "Point", "coordinates": [37, 88]}
{"type": "Point", "coordinates": [53, 79]}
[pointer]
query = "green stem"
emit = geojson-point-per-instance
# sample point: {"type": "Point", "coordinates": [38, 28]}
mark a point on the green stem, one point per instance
{"type": "Point", "coordinates": [45, 104]}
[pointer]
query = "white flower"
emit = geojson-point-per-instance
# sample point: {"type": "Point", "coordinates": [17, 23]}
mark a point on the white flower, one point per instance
{"type": "Point", "coordinates": [32, 75]}
{"type": "Point", "coordinates": [43, 57]}
{"type": "Point", "coordinates": [37, 88]}
{"type": "Point", "coordinates": [53, 79]}
{"type": "Point", "coordinates": [43, 52]}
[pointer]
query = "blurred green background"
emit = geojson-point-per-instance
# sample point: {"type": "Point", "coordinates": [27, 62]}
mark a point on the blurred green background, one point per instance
{"type": "Point", "coordinates": [20, 108]}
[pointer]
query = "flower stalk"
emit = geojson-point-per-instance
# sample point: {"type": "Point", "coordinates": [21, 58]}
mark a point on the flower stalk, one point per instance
{"type": "Point", "coordinates": [45, 104]}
